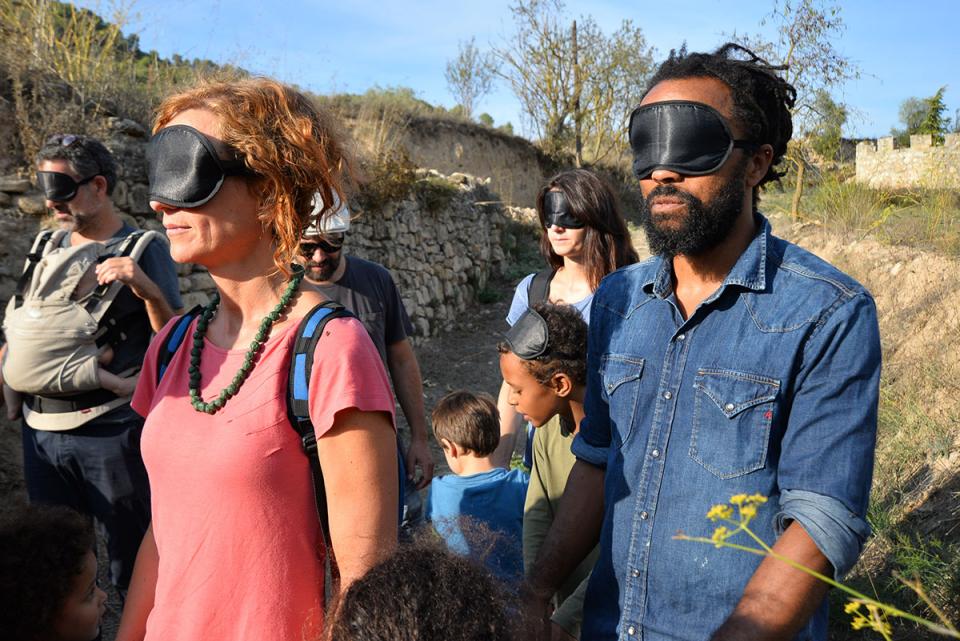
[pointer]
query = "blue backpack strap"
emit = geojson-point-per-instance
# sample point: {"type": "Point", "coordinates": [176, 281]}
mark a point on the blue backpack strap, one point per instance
{"type": "Point", "coordinates": [174, 339]}
{"type": "Point", "coordinates": [298, 395]}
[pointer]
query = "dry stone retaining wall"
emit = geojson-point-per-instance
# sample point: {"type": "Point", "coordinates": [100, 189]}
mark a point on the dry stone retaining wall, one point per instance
{"type": "Point", "coordinates": [440, 257]}
{"type": "Point", "coordinates": [884, 166]}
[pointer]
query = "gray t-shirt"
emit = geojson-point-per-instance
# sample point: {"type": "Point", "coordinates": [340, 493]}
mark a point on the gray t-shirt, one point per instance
{"type": "Point", "coordinates": [368, 290]}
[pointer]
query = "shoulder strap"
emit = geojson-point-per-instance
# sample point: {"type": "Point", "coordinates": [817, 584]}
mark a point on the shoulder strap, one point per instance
{"type": "Point", "coordinates": [539, 289]}
{"type": "Point", "coordinates": [298, 388]}
{"type": "Point", "coordinates": [133, 245]}
{"type": "Point", "coordinates": [43, 244]}
{"type": "Point", "coordinates": [174, 339]}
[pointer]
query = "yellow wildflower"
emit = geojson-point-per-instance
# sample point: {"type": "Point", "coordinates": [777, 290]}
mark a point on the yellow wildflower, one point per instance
{"type": "Point", "coordinates": [720, 511]}
{"type": "Point", "coordinates": [738, 499]}
{"type": "Point", "coordinates": [759, 499]}
{"type": "Point", "coordinates": [720, 535]}
{"type": "Point", "coordinates": [852, 606]}
{"type": "Point", "coordinates": [748, 511]}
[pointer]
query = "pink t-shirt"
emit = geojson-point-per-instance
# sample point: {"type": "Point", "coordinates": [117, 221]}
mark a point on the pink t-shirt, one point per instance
{"type": "Point", "coordinates": [241, 555]}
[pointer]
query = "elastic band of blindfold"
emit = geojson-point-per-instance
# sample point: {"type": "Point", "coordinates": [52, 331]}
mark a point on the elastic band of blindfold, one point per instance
{"type": "Point", "coordinates": [687, 137]}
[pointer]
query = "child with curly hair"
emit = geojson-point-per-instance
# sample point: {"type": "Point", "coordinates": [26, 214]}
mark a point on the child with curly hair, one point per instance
{"type": "Point", "coordinates": [544, 365]}
{"type": "Point", "coordinates": [48, 576]}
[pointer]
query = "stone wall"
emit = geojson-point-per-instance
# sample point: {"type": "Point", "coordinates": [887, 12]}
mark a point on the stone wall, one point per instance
{"type": "Point", "coordinates": [516, 168]}
{"type": "Point", "coordinates": [884, 165]}
{"type": "Point", "coordinates": [441, 255]}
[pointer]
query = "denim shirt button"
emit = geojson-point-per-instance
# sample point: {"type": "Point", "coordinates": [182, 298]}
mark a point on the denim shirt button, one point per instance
{"type": "Point", "coordinates": [667, 395]}
{"type": "Point", "coordinates": [729, 407]}
{"type": "Point", "coordinates": [680, 337]}
{"type": "Point", "coordinates": [631, 630]}
{"type": "Point", "coordinates": [634, 572]}
{"type": "Point", "coordinates": [644, 515]}
{"type": "Point", "coordinates": [655, 453]}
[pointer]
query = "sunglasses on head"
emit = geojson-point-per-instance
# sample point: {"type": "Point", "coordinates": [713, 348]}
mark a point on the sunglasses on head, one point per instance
{"type": "Point", "coordinates": [59, 187]}
{"type": "Point", "coordinates": [556, 212]}
{"type": "Point", "coordinates": [690, 138]}
{"type": "Point", "coordinates": [326, 245]}
{"type": "Point", "coordinates": [185, 169]}
{"type": "Point", "coordinates": [64, 140]}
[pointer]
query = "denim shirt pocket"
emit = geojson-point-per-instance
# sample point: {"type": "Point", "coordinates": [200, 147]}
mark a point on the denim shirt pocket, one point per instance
{"type": "Point", "coordinates": [620, 374]}
{"type": "Point", "coordinates": [733, 412]}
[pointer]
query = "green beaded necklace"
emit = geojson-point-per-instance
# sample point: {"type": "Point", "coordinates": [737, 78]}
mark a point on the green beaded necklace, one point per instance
{"type": "Point", "coordinates": [248, 360]}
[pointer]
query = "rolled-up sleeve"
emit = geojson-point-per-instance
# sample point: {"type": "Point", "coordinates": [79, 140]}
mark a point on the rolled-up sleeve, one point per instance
{"type": "Point", "coordinates": [837, 532]}
{"type": "Point", "coordinates": [826, 465]}
{"type": "Point", "coordinates": [592, 443]}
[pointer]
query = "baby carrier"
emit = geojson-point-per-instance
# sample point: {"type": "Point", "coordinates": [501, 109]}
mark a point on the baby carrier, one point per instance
{"type": "Point", "coordinates": [57, 323]}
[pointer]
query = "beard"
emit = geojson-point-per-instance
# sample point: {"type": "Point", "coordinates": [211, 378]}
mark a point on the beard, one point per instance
{"type": "Point", "coordinates": [322, 270]}
{"type": "Point", "coordinates": [705, 226]}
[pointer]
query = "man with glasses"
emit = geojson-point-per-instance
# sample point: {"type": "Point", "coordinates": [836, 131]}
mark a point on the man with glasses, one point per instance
{"type": "Point", "coordinates": [83, 450]}
{"type": "Point", "coordinates": [733, 366]}
{"type": "Point", "coordinates": [367, 289]}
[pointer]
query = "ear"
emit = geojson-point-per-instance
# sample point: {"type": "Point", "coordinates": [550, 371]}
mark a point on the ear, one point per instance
{"type": "Point", "coordinates": [101, 183]}
{"type": "Point", "coordinates": [758, 164]}
{"type": "Point", "coordinates": [450, 448]}
{"type": "Point", "coordinates": [561, 384]}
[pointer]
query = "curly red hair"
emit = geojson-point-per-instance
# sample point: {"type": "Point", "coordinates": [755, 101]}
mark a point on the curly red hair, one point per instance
{"type": "Point", "coordinates": [291, 145]}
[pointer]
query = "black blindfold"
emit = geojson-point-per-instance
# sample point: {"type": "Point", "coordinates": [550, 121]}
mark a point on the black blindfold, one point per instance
{"type": "Point", "coordinates": [528, 338]}
{"type": "Point", "coordinates": [184, 168]}
{"type": "Point", "coordinates": [556, 211]}
{"type": "Point", "coordinates": [689, 138]}
{"type": "Point", "coordinates": [60, 187]}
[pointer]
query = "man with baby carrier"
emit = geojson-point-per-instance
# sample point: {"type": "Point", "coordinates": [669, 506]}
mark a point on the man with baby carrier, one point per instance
{"type": "Point", "coordinates": [91, 294]}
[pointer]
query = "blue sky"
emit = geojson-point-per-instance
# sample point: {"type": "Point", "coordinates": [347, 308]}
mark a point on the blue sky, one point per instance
{"type": "Point", "coordinates": [902, 49]}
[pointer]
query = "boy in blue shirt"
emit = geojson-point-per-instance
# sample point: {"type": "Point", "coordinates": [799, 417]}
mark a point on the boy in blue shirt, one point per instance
{"type": "Point", "coordinates": [477, 510]}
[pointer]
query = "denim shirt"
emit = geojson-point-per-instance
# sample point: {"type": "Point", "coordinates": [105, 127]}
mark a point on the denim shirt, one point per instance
{"type": "Point", "coordinates": [770, 387]}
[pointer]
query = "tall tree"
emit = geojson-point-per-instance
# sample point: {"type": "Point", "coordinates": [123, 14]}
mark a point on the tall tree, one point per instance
{"type": "Point", "coordinates": [470, 76]}
{"type": "Point", "coordinates": [934, 122]}
{"type": "Point", "coordinates": [807, 33]}
{"type": "Point", "coordinates": [827, 131]}
{"type": "Point", "coordinates": [568, 79]}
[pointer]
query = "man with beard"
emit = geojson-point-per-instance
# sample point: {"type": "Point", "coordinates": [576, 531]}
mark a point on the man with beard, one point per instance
{"type": "Point", "coordinates": [83, 450]}
{"type": "Point", "coordinates": [367, 289]}
{"type": "Point", "coordinates": [731, 364]}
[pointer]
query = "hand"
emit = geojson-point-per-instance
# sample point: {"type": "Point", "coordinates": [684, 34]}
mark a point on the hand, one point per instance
{"type": "Point", "coordinates": [418, 454]}
{"type": "Point", "coordinates": [535, 615]}
{"type": "Point", "coordinates": [128, 272]}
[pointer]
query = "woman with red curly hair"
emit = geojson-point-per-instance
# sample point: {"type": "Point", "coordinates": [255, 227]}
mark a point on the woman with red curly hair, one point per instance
{"type": "Point", "coordinates": [235, 549]}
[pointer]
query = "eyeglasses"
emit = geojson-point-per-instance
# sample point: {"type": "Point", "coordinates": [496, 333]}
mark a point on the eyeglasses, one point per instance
{"type": "Point", "coordinates": [326, 245]}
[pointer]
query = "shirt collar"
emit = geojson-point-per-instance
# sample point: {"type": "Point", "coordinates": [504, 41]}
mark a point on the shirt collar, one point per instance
{"type": "Point", "coordinates": [750, 270]}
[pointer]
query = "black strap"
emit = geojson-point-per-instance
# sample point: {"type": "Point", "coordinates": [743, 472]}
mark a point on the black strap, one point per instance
{"type": "Point", "coordinates": [539, 289]}
{"type": "Point", "coordinates": [74, 403]}
{"type": "Point", "coordinates": [39, 245]}
{"type": "Point", "coordinates": [298, 402]}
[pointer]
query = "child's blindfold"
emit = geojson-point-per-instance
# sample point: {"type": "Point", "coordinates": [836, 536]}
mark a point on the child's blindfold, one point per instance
{"type": "Point", "coordinates": [184, 168]}
{"type": "Point", "coordinates": [689, 138]}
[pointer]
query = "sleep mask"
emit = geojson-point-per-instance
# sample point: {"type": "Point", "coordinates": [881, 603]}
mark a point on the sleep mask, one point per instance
{"type": "Point", "coordinates": [690, 138]}
{"type": "Point", "coordinates": [528, 338]}
{"type": "Point", "coordinates": [556, 211]}
{"type": "Point", "coordinates": [59, 187]}
{"type": "Point", "coordinates": [184, 168]}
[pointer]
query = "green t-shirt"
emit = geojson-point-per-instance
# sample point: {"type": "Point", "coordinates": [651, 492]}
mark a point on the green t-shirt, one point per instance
{"type": "Point", "coordinates": [552, 462]}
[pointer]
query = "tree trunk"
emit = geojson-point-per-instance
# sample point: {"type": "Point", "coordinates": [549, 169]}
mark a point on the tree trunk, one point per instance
{"type": "Point", "coordinates": [798, 190]}
{"type": "Point", "coordinates": [578, 141]}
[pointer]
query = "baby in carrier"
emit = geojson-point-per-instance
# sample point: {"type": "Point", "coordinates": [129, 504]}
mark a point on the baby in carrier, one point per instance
{"type": "Point", "coordinates": [56, 344]}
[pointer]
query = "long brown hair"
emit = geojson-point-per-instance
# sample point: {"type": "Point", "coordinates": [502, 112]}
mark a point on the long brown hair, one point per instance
{"type": "Point", "coordinates": [291, 145]}
{"type": "Point", "coordinates": [606, 245]}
